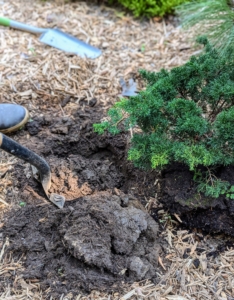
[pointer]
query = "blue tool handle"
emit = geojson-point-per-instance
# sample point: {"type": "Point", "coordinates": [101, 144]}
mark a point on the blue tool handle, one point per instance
{"type": "Point", "coordinates": [21, 26]}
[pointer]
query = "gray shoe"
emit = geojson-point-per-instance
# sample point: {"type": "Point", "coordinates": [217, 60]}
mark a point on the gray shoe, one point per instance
{"type": "Point", "coordinates": [12, 117]}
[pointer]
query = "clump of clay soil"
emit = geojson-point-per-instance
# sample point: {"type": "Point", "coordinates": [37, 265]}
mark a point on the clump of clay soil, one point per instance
{"type": "Point", "coordinates": [95, 242]}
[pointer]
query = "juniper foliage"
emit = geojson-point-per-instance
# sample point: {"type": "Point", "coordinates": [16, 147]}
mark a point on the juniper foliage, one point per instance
{"type": "Point", "coordinates": [184, 115]}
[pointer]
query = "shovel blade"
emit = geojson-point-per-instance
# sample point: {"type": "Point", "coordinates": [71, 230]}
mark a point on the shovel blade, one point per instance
{"type": "Point", "coordinates": [65, 42]}
{"type": "Point", "coordinates": [58, 200]}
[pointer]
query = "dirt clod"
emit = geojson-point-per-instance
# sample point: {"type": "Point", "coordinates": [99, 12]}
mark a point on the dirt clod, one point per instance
{"type": "Point", "coordinates": [94, 242]}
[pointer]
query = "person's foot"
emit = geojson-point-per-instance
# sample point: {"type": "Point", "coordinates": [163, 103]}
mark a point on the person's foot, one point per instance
{"type": "Point", "coordinates": [12, 117]}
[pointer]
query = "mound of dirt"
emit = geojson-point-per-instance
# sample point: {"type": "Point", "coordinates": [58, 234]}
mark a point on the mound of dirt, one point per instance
{"type": "Point", "coordinates": [95, 242]}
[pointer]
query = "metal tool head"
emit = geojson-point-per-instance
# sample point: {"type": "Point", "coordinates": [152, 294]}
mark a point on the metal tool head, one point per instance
{"type": "Point", "coordinates": [40, 168]}
{"type": "Point", "coordinates": [65, 42]}
{"type": "Point", "coordinates": [58, 200]}
{"type": "Point", "coordinates": [45, 179]}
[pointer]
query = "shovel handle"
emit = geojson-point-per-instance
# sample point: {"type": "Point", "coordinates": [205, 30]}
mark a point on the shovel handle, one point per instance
{"type": "Point", "coordinates": [21, 26]}
{"type": "Point", "coordinates": [27, 155]}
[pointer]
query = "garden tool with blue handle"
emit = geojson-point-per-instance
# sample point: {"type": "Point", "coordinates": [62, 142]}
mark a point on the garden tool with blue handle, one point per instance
{"type": "Point", "coordinates": [56, 38]}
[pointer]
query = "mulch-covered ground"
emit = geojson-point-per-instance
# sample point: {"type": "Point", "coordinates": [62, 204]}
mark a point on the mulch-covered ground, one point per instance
{"type": "Point", "coordinates": [48, 254]}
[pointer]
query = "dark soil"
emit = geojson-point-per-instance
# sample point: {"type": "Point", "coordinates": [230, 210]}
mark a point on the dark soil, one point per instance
{"type": "Point", "coordinates": [95, 242]}
{"type": "Point", "coordinates": [103, 237]}
{"type": "Point", "coordinates": [179, 195]}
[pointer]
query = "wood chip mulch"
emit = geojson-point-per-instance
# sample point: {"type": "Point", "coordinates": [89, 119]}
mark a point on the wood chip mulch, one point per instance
{"type": "Point", "coordinates": [33, 74]}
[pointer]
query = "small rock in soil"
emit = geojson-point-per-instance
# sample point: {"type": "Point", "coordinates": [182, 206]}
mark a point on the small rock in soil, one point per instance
{"type": "Point", "coordinates": [62, 125]}
{"type": "Point", "coordinates": [196, 263]}
{"type": "Point", "coordinates": [92, 102]}
{"type": "Point", "coordinates": [66, 100]}
{"type": "Point", "coordinates": [35, 125]}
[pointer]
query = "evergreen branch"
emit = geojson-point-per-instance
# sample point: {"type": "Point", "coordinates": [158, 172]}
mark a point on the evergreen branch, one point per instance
{"type": "Point", "coordinates": [185, 115]}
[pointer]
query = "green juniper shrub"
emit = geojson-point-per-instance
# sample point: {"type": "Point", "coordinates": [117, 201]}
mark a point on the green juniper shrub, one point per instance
{"type": "Point", "coordinates": [184, 115]}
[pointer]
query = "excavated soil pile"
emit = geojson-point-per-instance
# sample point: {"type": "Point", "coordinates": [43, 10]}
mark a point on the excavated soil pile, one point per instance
{"type": "Point", "coordinates": [103, 237]}
{"type": "Point", "coordinates": [95, 242]}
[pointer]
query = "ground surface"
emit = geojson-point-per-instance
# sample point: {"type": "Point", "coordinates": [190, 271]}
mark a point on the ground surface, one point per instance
{"type": "Point", "coordinates": [97, 242]}
{"type": "Point", "coordinates": [104, 244]}
{"type": "Point", "coordinates": [179, 195]}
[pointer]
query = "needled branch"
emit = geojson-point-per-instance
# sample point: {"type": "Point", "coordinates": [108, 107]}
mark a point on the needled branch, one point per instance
{"type": "Point", "coordinates": [184, 115]}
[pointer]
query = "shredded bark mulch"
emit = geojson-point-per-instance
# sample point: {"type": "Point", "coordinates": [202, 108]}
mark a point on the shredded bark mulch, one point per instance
{"type": "Point", "coordinates": [46, 253]}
